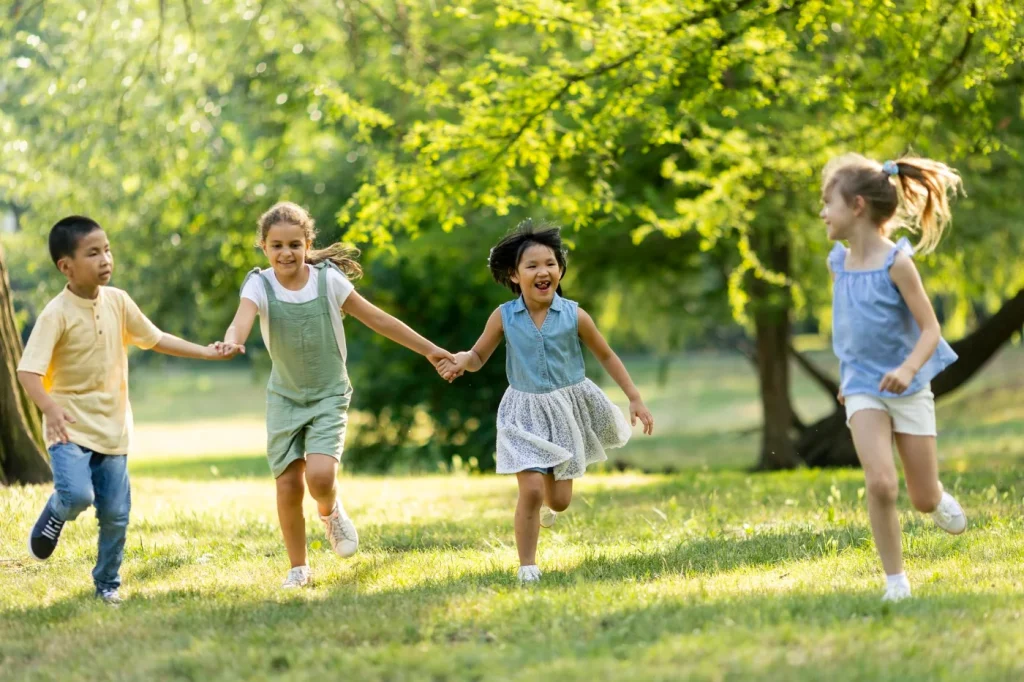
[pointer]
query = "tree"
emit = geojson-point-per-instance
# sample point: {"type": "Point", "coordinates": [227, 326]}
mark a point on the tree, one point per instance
{"type": "Point", "coordinates": [22, 457]}
{"type": "Point", "coordinates": [739, 102]}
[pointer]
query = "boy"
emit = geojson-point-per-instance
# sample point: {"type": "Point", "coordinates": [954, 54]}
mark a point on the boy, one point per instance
{"type": "Point", "coordinates": [75, 368]}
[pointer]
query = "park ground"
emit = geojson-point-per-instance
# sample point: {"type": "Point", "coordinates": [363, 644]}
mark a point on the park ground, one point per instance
{"type": "Point", "coordinates": [706, 573]}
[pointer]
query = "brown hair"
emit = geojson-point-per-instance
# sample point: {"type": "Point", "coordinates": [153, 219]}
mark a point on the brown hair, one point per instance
{"type": "Point", "coordinates": [342, 255]}
{"type": "Point", "coordinates": [913, 190]}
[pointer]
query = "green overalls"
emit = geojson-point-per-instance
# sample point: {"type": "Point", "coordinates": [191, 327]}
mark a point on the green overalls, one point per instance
{"type": "Point", "coordinates": [309, 392]}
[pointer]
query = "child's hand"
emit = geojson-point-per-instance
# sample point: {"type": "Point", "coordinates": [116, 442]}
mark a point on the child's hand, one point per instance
{"type": "Point", "coordinates": [56, 417]}
{"type": "Point", "coordinates": [897, 380]}
{"type": "Point", "coordinates": [448, 370]}
{"type": "Point", "coordinates": [227, 350]}
{"type": "Point", "coordinates": [439, 355]}
{"type": "Point", "coordinates": [840, 397]}
{"type": "Point", "coordinates": [456, 369]}
{"type": "Point", "coordinates": [637, 410]}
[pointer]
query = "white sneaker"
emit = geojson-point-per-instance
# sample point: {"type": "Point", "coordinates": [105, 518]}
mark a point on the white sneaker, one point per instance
{"type": "Point", "coordinates": [341, 533]}
{"type": "Point", "coordinates": [897, 592]}
{"type": "Point", "coordinates": [529, 574]}
{"type": "Point", "coordinates": [548, 516]}
{"type": "Point", "coordinates": [111, 597]}
{"type": "Point", "coordinates": [300, 576]}
{"type": "Point", "coordinates": [949, 515]}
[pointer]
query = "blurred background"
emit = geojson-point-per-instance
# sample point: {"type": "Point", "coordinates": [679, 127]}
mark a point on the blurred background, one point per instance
{"type": "Point", "coordinates": [679, 145]}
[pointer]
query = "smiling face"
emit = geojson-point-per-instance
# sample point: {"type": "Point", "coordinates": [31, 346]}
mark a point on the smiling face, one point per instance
{"type": "Point", "coordinates": [286, 245]}
{"type": "Point", "coordinates": [92, 264]}
{"type": "Point", "coordinates": [538, 273]}
{"type": "Point", "coordinates": [839, 216]}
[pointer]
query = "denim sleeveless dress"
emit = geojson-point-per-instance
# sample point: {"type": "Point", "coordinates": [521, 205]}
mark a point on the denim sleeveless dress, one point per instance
{"type": "Point", "coordinates": [552, 416]}
{"type": "Point", "coordinates": [873, 330]}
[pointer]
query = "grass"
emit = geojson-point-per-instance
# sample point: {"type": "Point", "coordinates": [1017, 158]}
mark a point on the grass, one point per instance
{"type": "Point", "coordinates": [709, 574]}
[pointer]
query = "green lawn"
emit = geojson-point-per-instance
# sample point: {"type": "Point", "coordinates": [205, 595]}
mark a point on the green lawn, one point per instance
{"type": "Point", "coordinates": [709, 574]}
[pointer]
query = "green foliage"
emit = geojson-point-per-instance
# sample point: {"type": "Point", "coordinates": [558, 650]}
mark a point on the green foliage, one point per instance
{"type": "Point", "coordinates": [444, 291]}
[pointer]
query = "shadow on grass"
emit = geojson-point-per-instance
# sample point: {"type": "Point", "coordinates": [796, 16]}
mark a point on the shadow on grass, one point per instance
{"type": "Point", "coordinates": [409, 631]}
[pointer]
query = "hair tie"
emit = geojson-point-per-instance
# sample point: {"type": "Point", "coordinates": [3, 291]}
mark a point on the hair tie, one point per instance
{"type": "Point", "coordinates": [890, 168]}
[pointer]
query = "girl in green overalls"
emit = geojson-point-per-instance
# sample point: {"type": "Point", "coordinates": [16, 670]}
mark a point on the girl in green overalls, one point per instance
{"type": "Point", "coordinates": [300, 300]}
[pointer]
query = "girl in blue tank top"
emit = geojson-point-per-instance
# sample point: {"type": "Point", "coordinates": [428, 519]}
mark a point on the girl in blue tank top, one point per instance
{"type": "Point", "coordinates": [553, 421]}
{"type": "Point", "coordinates": [887, 337]}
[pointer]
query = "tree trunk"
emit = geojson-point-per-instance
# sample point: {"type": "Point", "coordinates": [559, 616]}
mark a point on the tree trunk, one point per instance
{"type": "Point", "coordinates": [827, 442]}
{"type": "Point", "coordinates": [771, 305]}
{"type": "Point", "coordinates": [777, 451]}
{"type": "Point", "coordinates": [22, 456]}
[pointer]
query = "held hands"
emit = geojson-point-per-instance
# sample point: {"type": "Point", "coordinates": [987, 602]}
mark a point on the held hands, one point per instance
{"type": "Point", "coordinates": [637, 410]}
{"type": "Point", "coordinates": [223, 350]}
{"type": "Point", "coordinates": [897, 380]}
{"type": "Point", "coordinates": [56, 418]}
{"type": "Point", "coordinates": [440, 357]}
{"type": "Point", "coordinates": [452, 370]}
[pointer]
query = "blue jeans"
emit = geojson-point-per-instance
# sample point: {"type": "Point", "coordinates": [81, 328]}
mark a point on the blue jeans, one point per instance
{"type": "Point", "coordinates": [81, 478]}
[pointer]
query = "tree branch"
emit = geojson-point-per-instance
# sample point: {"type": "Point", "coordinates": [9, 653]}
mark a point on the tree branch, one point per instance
{"type": "Point", "coordinates": [954, 68]}
{"type": "Point", "coordinates": [978, 347]}
{"type": "Point", "coordinates": [825, 381]}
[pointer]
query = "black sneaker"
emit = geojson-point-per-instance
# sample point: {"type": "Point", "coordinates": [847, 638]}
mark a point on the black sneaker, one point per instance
{"type": "Point", "coordinates": [45, 534]}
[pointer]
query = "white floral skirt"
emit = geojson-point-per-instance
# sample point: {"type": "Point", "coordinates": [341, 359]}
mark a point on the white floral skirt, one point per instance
{"type": "Point", "coordinates": [568, 429]}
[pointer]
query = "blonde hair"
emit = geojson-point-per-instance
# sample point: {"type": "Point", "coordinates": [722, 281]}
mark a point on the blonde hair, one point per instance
{"type": "Point", "coordinates": [912, 190]}
{"type": "Point", "coordinates": [342, 255]}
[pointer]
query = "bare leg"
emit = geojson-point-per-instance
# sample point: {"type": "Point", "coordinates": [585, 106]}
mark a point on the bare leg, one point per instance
{"type": "Point", "coordinates": [921, 469]}
{"type": "Point", "coordinates": [290, 490]}
{"type": "Point", "coordinates": [872, 437]}
{"type": "Point", "coordinates": [557, 494]}
{"type": "Point", "coordinates": [322, 481]}
{"type": "Point", "coordinates": [531, 494]}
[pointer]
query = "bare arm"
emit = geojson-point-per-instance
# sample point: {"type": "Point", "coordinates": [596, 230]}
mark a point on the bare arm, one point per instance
{"type": "Point", "coordinates": [238, 332]}
{"type": "Point", "coordinates": [392, 328]}
{"type": "Point", "coordinates": [179, 348]}
{"type": "Point", "coordinates": [593, 340]}
{"type": "Point", "coordinates": [56, 417]}
{"type": "Point", "coordinates": [908, 281]}
{"type": "Point", "coordinates": [475, 358]}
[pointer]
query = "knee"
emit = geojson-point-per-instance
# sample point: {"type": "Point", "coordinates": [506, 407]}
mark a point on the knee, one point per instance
{"type": "Point", "coordinates": [883, 488]}
{"type": "Point", "coordinates": [559, 502]}
{"type": "Point", "coordinates": [320, 483]}
{"type": "Point", "coordinates": [76, 501]}
{"type": "Point", "coordinates": [114, 517]}
{"type": "Point", "coordinates": [531, 495]}
{"type": "Point", "coordinates": [290, 488]}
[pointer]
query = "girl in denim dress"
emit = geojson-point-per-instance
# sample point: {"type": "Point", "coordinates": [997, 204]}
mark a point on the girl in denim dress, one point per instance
{"type": "Point", "coordinates": [552, 422]}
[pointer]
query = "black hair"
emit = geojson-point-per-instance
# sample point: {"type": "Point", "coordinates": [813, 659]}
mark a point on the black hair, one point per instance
{"type": "Point", "coordinates": [67, 232]}
{"type": "Point", "coordinates": [506, 254]}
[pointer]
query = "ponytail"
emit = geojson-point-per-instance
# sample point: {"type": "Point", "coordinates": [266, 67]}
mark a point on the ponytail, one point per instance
{"type": "Point", "coordinates": [925, 187]}
{"type": "Point", "coordinates": [342, 255]}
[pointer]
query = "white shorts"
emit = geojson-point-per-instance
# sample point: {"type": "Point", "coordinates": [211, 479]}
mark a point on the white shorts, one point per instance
{"type": "Point", "coordinates": [913, 415]}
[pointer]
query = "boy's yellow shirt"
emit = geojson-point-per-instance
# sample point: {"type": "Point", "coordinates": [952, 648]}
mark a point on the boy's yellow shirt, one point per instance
{"type": "Point", "coordinates": [79, 346]}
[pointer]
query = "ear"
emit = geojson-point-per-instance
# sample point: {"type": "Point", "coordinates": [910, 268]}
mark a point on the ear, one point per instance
{"type": "Point", "coordinates": [859, 205]}
{"type": "Point", "coordinates": [64, 265]}
{"type": "Point", "coordinates": [515, 277]}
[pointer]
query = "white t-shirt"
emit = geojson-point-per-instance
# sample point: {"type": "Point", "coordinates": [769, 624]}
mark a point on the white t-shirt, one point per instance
{"type": "Point", "coordinates": [338, 290]}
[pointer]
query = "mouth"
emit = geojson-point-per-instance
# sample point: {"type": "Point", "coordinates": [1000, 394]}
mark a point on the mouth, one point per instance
{"type": "Point", "coordinates": [105, 274]}
{"type": "Point", "coordinates": [542, 286]}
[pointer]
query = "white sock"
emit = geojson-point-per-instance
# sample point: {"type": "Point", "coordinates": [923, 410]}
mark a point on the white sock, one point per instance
{"type": "Point", "coordinates": [897, 580]}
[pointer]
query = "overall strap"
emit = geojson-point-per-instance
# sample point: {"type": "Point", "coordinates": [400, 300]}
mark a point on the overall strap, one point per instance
{"type": "Point", "coordinates": [325, 268]}
{"type": "Point", "coordinates": [266, 282]}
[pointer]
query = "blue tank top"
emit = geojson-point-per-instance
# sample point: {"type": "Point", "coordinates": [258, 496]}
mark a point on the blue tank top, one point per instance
{"type": "Point", "coordinates": [546, 359]}
{"type": "Point", "coordinates": [873, 330]}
